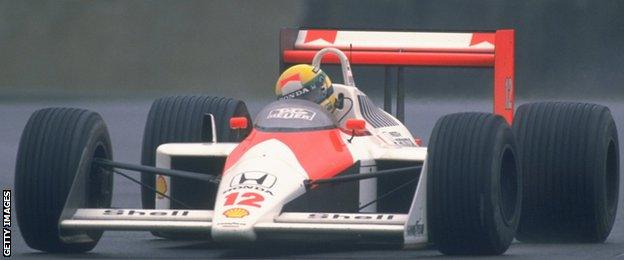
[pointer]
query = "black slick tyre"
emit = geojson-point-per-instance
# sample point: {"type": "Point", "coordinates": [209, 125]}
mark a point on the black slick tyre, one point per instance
{"type": "Point", "coordinates": [473, 185]}
{"type": "Point", "coordinates": [570, 156]}
{"type": "Point", "coordinates": [179, 119]}
{"type": "Point", "coordinates": [55, 151]}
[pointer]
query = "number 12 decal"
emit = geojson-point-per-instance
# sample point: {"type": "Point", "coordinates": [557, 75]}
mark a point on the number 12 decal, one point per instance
{"type": "Point", "coordinates": [251, 199]}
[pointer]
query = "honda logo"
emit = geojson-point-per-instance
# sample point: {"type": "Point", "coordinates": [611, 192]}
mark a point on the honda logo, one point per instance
{"type": "Point", "coordinates": [254, 178]}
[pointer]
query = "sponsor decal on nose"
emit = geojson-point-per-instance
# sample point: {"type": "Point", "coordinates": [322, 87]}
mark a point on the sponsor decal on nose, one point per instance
{"type": "Point", "coordinates": [236, 213]}
{"type": "Point", "coordinates": [254, 178]}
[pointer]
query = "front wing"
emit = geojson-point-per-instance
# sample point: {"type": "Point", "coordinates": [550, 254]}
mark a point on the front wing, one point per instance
{"type": "Point", "coordinates": [408, 229]}
{"type": "Point", "coordinates": [365, 226]}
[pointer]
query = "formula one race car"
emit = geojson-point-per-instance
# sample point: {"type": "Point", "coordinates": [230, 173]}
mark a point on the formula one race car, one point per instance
{"type": "Point", "coordinates": [298, 173]}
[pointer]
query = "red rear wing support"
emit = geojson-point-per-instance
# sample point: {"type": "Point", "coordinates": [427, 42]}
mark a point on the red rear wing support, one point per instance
{"type": "Point", "coordinates": [400, 49]}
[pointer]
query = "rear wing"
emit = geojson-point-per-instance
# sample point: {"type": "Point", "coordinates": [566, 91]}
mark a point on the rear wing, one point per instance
{"type": "Point", "coordinates": [397, 49]}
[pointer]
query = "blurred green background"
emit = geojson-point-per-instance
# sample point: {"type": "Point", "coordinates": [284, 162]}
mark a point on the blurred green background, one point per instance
{"type": "Point", "coordinates": [67, 49]}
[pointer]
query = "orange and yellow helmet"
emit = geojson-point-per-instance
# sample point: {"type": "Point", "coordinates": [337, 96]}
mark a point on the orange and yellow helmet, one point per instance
{"type": "Point", "coordinates": [304, 82]}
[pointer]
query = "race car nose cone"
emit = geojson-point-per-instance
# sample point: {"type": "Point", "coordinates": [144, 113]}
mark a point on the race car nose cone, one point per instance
{"type": "Point", "coordinates": [254, 191]}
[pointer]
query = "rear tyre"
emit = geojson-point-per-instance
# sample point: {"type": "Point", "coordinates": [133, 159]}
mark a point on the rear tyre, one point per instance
{"type": "Point", "coordinates": [55, 151]}
{"type": "Point", "coordinates": [570, 156]}
{"type": "Point", "coordinates": [179, 119]}
{"type": "Point", "coordinates": [474, 187]}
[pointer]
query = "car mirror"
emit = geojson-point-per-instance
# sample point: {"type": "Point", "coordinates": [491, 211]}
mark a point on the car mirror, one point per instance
{"type": "Point", "coordinates": [356, 124]}
{"type": "Point", "coordinates": [238, 123]}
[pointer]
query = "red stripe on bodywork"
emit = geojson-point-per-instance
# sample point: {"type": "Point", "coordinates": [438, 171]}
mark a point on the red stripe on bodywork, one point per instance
{"type": "Point", "coordinates": [482, 37]}
{"type": "Point", "coordinates": [325, 35]}
{"type": "Point", "coordinates": [322, 153]}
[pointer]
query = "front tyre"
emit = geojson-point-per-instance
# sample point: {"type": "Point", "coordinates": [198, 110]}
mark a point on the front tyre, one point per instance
{"type": "Point", "coordinates": [570, 154]}
{"type": "Point", "coordinates": [178, 119]}
{"type": "Point", "coordinates": [55, 151]}
{"type": "Point", "coordinates": [474, 187]}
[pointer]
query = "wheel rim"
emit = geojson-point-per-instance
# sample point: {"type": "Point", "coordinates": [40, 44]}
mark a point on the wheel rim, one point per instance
{"type": "Point", "coordinates": [508, 185]}
{"type": "Point", "coordinates": [99, 180]}
{"type": "Point", "coordinates": [612, 182]}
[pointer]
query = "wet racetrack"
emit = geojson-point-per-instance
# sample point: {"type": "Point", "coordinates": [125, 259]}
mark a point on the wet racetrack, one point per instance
{"type": "Point", "coordinates": [125, 121]}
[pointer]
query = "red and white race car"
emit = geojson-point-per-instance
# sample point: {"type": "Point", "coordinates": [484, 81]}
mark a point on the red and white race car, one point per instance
{"type": "Point", "coordinates": [298, 173]}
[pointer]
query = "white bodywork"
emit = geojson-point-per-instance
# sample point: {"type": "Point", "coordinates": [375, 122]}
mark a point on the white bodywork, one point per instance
{"type": "Point", "coordinates": [393, 41]}
{"type": "Point", "coordinates": [253, 190]}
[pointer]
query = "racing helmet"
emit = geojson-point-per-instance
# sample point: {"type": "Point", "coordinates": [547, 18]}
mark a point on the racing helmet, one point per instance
{"type": "Point", "coordinates": [303, 81]}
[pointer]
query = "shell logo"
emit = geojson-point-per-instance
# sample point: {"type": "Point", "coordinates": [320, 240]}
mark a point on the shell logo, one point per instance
{"type": "Point", "coordinates": [161, 186]}
{"type": "Point", "coordinates": [236, 213]}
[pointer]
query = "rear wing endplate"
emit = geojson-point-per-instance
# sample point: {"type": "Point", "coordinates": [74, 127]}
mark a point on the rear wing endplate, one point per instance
{"type": "Point", "coordinates": [401, 48]}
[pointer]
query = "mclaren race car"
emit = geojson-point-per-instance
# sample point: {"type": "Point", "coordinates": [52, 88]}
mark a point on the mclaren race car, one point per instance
{"type": "Point", "coordinates": [547, 173]}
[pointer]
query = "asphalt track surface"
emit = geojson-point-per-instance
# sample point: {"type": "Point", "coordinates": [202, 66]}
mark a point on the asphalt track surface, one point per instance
{"type": "Point", "coordinates": [126, 118]}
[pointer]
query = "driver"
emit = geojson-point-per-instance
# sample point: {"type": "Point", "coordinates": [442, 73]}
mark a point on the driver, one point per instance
{"type": "Point", "coordinates": [304, 82]}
